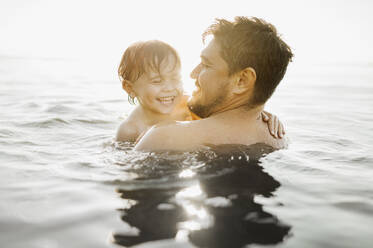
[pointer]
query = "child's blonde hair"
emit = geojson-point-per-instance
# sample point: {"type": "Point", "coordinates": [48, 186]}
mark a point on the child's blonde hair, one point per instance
{"type": "Point", "coordinates": [143, 56]}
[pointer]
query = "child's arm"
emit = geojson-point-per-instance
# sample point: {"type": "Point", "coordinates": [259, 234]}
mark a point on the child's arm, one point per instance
{"type": "Point", "coordinates": [127, 131]}
{"type": "Point", "coordinates": [275, 127]}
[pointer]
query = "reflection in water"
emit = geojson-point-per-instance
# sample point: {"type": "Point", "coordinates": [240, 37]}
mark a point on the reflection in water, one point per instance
{"type": "Point", "coordinates": [213, 207]}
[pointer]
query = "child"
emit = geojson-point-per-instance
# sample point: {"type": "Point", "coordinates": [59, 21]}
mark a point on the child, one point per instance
{"type": "Point", "coordinates": [150, 72]}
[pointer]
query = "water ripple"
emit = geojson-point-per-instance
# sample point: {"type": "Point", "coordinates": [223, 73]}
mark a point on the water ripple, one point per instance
{"type": "Point", "coordinates": [47, 123]}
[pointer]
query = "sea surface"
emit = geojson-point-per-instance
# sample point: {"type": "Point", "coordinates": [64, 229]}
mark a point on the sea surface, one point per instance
{"type": "Point", "coordinates": [65, 182]}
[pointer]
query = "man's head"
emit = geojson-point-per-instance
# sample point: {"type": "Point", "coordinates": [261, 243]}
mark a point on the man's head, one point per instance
{"type": "Point", "coordinates": [244, 63]}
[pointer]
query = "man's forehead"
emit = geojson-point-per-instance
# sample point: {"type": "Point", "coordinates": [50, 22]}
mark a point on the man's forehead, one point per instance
{"type": "Point", "coordinates": [211, 51]}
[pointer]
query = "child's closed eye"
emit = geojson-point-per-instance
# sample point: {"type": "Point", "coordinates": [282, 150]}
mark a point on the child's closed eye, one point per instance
{"type": "Point", "coordinates": [156, 81]}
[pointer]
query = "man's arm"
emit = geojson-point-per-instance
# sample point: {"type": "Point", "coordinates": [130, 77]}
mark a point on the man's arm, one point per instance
{"type": "Point", "coordinates": [171, 137]}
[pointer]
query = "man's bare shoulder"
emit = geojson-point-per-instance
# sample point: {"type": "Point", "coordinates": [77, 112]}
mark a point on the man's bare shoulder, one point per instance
{"type": "Point", "coordinates": [279, 143]}
{"type": "Point", "coordinates": [268, 139]}
{"type": "Point", "coordinates": [171, 135]}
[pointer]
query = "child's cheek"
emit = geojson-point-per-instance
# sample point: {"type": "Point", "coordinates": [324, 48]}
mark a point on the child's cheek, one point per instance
{"type": "Point", "coordinates": [180, 88]}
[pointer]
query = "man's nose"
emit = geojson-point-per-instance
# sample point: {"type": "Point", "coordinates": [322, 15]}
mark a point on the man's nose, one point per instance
{"type": "Point", "coordinates": [195, 72]}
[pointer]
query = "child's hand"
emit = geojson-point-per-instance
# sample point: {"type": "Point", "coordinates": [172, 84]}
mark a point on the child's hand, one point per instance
{"type": "Point", "coordinates": [275, 127]}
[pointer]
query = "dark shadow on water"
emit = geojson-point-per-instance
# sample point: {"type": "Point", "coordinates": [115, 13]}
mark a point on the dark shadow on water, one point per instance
{"type": "Point", "coordinates": [215, 208]}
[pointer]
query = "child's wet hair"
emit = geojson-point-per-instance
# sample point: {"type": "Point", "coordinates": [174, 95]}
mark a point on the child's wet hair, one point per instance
{"type": "Point", "coordinates": [143, 56]}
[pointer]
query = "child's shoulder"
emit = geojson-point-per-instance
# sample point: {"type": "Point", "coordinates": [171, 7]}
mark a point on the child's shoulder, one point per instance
{"type": "Point", "coordinates": [129, 129]}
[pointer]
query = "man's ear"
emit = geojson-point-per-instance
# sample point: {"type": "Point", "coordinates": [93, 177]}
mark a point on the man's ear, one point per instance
{"type": "Point", "coordinates": [127, 86]}
{"type": "Point", "coordinates": [245, 81]}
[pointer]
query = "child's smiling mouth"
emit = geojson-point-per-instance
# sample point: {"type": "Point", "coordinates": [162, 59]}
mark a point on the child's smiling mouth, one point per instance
{"type": "Point", "coordinates": [166, 100]}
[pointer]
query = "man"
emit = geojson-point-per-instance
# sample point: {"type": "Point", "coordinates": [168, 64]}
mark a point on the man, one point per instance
{"type": "Point", "coordinates": [239, 70]}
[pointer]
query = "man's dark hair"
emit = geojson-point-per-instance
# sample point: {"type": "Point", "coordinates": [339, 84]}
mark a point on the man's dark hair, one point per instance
{"type": "Point", "coordinates": [252, 42]}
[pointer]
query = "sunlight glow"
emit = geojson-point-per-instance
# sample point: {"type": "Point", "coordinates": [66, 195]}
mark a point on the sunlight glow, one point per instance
{"type": "Point", "coordinates": [186, 173]}
{"type": "Point", "coordinates": [190, 192]}
{"type": "Point", "coordinates": [191, 200]}
{"type": "Point", "coordinates": [190, 225]}
{"type": "Point", "coordinates": [194, 211]}
{"type": "Point", "coordinates": [98, 32]}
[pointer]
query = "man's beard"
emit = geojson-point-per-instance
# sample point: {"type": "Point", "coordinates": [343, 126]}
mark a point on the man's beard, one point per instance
{"type": "Point", "coordinates": [205, 110]}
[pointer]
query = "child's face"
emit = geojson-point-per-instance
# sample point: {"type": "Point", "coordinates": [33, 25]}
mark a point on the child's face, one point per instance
{"type": "Point", "coordinates": [160, 92]}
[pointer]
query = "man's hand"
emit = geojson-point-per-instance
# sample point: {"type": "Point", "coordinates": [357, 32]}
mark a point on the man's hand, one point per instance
{"type": "Point", "coordinates": [275, 127]}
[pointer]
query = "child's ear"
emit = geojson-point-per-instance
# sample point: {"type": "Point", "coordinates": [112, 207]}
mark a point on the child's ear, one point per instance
{"type": "Point", "coordinates": [127, 86]}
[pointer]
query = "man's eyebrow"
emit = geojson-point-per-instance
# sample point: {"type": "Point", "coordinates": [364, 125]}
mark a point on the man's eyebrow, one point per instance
{"type": "Point", "coordinates": [205, 59]}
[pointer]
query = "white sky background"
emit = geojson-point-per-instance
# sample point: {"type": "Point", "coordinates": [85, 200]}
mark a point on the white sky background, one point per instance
{"type": "Point", "coordinates": [99, 31]}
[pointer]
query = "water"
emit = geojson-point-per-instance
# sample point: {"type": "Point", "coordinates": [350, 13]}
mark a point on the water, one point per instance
{"type": "Point", "coordinates": [65, 182]}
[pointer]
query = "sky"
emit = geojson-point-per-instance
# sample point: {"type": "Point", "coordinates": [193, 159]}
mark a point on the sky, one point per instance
{"type": "Point", "coordinates": [319, 32]}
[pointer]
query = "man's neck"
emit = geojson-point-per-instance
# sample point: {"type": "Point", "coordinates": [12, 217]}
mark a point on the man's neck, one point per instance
{"type": "Point", "coordinates": [235, 102]}
{"type": "Point", "coordinates": [244, 112]}
{"type": "Point", "coordinates": [238, 104]}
